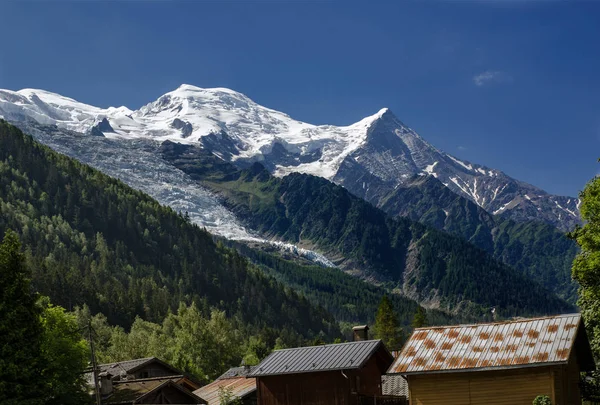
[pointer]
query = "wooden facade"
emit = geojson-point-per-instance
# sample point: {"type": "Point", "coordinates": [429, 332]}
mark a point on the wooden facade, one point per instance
{"type": "Point", "coordinates": [161, 390]}
{"type": "Point", "coordinates": [503, 387]}
{"type": "Point", "coordinates": [339, 387]}
{"type": "Point", "coordinates": [151, 370]}
{"type": "Point", "coordinates": [170, 394]}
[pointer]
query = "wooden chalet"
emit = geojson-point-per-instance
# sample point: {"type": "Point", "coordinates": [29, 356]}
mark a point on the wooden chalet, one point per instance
{"type": "Point", "coordinates": [335, 374]}
{"type": "Point", "coordinates": [157, 390]}
{"type": "Point", "coordinates": [498, 363]}
{"type": "Point", "coordinates": [148, 367]}
{"type": "Point", "coordinates": [234, 382]}
{"type": "Point", "coordinates": [144, 381]}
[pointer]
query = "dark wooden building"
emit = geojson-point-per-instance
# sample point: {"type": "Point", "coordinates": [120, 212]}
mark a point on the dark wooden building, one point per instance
{"type": "Point", "coordinates": [336, 374]}
{"type": "Point", "coordinates": [501, 363]}
{"type": "Point", "coordinates": [148, 367]}
{"type": "Point", "coordinates": [158, 390]}
{"type": "Point", "coordinates": [144, 381]}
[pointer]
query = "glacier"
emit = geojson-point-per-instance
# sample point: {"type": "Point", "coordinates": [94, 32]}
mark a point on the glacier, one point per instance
{"type": "Point", "coordinates": [378, 152]}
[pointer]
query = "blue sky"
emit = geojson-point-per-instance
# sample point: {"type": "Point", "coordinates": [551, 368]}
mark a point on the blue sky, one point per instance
{"type": "Point", "coordinates": [511, 84]}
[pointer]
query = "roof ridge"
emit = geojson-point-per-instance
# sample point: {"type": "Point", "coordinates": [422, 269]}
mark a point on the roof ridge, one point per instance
{"type": "Point", "coordinates": [325, 345]}
{"type": "Point", "coordinates": [126, 361]}
{"type": "Point", "coordinates": [499, 322]}
{"type": "Point", "coordinates": [164, 377]}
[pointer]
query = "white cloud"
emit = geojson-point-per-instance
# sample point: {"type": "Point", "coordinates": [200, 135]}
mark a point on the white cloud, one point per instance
{"type": "Point", "coordinates": [491, 76]}
{"type": "Point", "coordinates": [460, 147]}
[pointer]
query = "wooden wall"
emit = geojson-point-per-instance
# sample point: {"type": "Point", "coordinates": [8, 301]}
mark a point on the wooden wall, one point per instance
{"type": "Point", "coordinates": [150, 371]}
{"type": "Point", "coordinates": [566, 383]}
{"type": "Point", "coordinates": [508, 387]}
{"type": "Point", "coordinates": [168, 395]}
{"type": "Point", "coordinates": [321, 388]}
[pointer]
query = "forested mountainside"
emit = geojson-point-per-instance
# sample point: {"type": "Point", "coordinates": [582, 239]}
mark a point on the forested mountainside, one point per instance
{"type": "Point", "coordinates": [348, 298]}
{"type": "Point", "coordinates": [537, 249]}
{"type": "Point", "coordinates": [424, 263]}
{"type": "Point", "coordinates": [91, 239]}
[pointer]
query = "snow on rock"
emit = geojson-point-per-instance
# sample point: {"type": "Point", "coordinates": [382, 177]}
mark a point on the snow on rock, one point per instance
{"type": "Point", "coordinates": [253, 128]}
{"type": "Point", "coordinates": [429, 169]}
{"type": "Point", "coordinates": [235, 128]}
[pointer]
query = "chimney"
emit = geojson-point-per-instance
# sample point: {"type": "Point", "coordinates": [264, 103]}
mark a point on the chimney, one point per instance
{"type": "Point", "coordinates": [246, 368]}
{"type": "Point", "coordinates": [106, 385]}
{"type": "Point", "coordinates": [360, 333]}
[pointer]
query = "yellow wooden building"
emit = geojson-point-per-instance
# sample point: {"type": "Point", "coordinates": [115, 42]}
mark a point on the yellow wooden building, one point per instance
{"type": "Point", "coordinates": [501, 363]}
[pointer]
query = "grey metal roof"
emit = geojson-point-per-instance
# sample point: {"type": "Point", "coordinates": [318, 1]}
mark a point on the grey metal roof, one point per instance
{"type": "Point", "coordinates": [124, 367]}
{"type": "Point", "coordinates": [341, 356]}
{"type": "Point", "coordinates": [235, 372]}
{"type": "Point", "coordinates": [519, 343]}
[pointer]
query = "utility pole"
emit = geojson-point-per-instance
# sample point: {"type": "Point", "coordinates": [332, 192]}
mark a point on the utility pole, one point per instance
{"type": "Point", "coordinates": [94, 368]}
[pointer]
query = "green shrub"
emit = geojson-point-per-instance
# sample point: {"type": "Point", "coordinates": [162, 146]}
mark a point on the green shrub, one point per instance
{"type": "Point", "coordinates": [542, 400]}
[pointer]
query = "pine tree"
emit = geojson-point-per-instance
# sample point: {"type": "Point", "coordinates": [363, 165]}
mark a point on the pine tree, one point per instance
{"type": "Point", "coordinates": [420, 318]}
{"type": "Point", "coordinates": [20, 328]}
{"type": "Point", "coordinates": [387, 326]}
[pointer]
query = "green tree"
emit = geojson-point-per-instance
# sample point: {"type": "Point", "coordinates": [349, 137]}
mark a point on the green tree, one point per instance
{"type": "Point", "coordinates": [586, 266]}
{"type": "Point", "coordinates": [586, 271]}
{"type": "Point", "coordinates": [387, 326]}
{"type": "Point", "coordinates": [420, 318]}
{"type": "Point", "coordinates": [204, 347]}
{"type": "Point", "coordinates": [20, 328]}
{"type": "Point", "coordinates": [64, 357]}
{"type": "Point", "coordinates": [256, 350]}
{"type": "Point", "coordinates": [226, 397]}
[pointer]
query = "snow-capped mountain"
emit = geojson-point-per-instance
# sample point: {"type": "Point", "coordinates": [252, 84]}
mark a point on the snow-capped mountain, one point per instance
{"type": "Point", "coordinates": [378, 151]}
{"type": "Point", "coordinates": [393, 153]}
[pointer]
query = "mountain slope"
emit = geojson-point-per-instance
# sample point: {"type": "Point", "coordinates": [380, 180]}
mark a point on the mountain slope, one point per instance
{"type": "Point", "coordinates": [376, 152]}
{"type": "Point", "coordinates": [425, 264]}
{"type": "Point", "coordinates": [91, 239]}
{"type": "Point", "coordinates": [538, 250]}
{"type": "Point", "coordinates": [394, 153]}
{"type": "Point", "coordinates": [349, 299]}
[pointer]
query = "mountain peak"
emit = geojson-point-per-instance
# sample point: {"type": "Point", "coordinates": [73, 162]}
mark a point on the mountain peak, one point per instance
{"type": "Point", "coordinates": [188, 90]}
{"type": "Point", "coordinates": [384, 111]}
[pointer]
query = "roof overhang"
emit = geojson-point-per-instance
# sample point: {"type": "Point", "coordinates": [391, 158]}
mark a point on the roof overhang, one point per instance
{"type": "Point", "coordinates": [482, 369]}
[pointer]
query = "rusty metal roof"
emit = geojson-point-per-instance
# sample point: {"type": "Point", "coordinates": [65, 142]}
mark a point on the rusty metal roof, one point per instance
{"type": "Point", "coordinates": [239, 387]}
{"type": "Point", "coordinates": [340, 356]}
{"type": "Point", "coordinates": [519, 343]}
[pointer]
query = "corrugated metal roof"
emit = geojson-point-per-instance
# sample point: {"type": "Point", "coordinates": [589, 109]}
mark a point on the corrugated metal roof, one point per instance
{"type": "Point", "coordinates": [394, 384]}
{"type": "Point", "coordinates": [236, 372]}
{"type": "Point", "coordinates": [341, 356]}
{"type": "Point", "coordinates": [237, 386]}
{"type": "Point", "coordinates": [124, 367]}
{"type": "Point", "coordinates": [516, 343]}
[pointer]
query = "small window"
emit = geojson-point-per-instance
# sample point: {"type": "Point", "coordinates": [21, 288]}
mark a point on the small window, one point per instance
{"type": "Point", "coordinates": [144, 374]}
